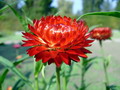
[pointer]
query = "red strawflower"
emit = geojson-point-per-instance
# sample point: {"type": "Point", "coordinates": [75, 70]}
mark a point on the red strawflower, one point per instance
{"type": "Point", "coordinates": [101, 33]}
{"type": "Point", "coordinates": [57, 39]}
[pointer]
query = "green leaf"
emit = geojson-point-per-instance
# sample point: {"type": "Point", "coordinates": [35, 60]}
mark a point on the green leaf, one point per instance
{"type": "Point", "coordinates": [86, 61]}
{"type": "Point", "coordinates": [88, 66]}
{"type": "Point", "coordinates": [114, 14]}
{"type": "Point", "coordinates": [19, 84]}
{"type": "Point", "coordinates": [12, 67]}
{"type": "Point", "coordinates": [21, 60]}
{"type": "Point", "coordinates": [3, 76]}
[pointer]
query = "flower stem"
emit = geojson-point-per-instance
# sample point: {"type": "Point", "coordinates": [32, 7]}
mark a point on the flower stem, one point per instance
{"type": "Point", "coordinates": [104, 66]}
{"type": "Point", "coordinates": [65, 81]}
{"type": "Point", "coordinates": [36, 83]}
{"type": "Point", "coordinates": [58, 78]}
{"type": "Point", "coordinates": [82, 77]}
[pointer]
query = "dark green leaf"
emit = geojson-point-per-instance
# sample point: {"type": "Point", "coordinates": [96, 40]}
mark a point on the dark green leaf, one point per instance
{"type": "Point", "coordinates": [19, 84]}
{"type": "Point", "coordinates": [114, 14]}
{"type": "Point", "coordinates": [2, 77]}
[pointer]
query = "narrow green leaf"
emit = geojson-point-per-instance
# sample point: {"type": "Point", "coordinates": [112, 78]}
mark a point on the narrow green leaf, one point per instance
{"type": "Point", "coordinates": [114, 14]}
{"type": "Point", "coordinates": [3, 76]}
{"type": "Point", "coordinates": [21, 60]}
{"type": "Point", "coordinates": [11, 66]}
{"type": "Point", "coordinates": [86, 61]}
{"type": "Point", "coordinates": [19, 84]}
{"type": "Point", "coordinates": [88, 66]}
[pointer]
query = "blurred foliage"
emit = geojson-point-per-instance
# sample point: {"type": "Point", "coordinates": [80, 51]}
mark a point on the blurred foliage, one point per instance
{"type": "Point", "coordinates": [92, 5]}
{"type": "Point", "coordinates": [103, 21]}
{"type": "Point", "coordinates": [35, 9]}
{"type": "Point", "coordinates": [118, 5]}
{"type": "Point", "coordinates": [65, 7]}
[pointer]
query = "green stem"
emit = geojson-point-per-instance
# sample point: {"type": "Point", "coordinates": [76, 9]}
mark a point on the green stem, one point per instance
{"type": "Point", "coordinates": [36, 83]}
{"type": "Point", "coordinates": [65, 81]}
{"type": "Point", "coordinates": [105, 66]}
{"type": "Point", "coordinates": [82, 77]}
{"type": "Point", "coordinates": [58, 78]}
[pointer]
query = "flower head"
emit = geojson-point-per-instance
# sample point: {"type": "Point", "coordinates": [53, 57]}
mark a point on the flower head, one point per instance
{"type": "Point", "coordinates": [101, 33]}
{"type": "Point", "coordinates": [57, 39]}
{"type": "Point", "coordinates": [16, 46]}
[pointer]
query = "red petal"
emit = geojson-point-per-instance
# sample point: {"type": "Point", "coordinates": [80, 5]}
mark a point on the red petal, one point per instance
{"type": "Point", "coordinates": [53, 54]}
{"type": "Point", "coordinates": [89, 41]}
{"type": "Point", "coordinates": [85, 50]}
{"type": "Point", "coordinates": [30, 36]}
{"type": "Point", "coordinates": [38, 56]}
{"type": "Point", "coordinates": [75, 58]}
{"type": "Point", "coordinates": [30, 43]}
{"type": "Point", "coordinates": [76, 52]}
{"type": "Point", "coordinates": [65, 58]}
{"type": "Point", "coordinates": [58, 61]}
{"type": "Point", "coordinates": [50, 61]}
{"type": "Point", "coordinates": [72, 52]}
{"type": "Point", "coordinates": [46, 56]}
{"type": "Point", "coordinates": [76, 47]}
{"type": "Point", "coordinates": [80, 53]}
{"type": "Point", "coordinates": [34, 50]}
{"type": "Point", "coordinates": [32, 29]}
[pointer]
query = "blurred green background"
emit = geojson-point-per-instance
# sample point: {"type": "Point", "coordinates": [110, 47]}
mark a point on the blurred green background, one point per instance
{"type": "Point", "coordinates": [35, 9]}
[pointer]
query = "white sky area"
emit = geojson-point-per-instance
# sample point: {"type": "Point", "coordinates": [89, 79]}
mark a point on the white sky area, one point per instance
{"type": "Point", "coordinates": [77, 4]}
